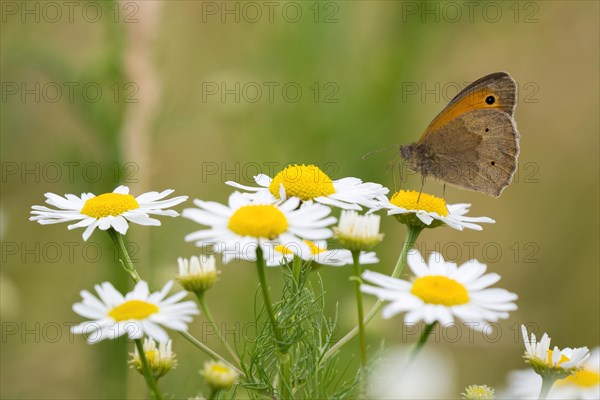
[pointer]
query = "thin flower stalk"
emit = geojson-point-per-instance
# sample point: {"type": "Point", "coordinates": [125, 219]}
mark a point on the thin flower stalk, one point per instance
{"type": "Point", "coordinates": [150, 380]}
{"type": "Point", "coordinates": [411, 239]}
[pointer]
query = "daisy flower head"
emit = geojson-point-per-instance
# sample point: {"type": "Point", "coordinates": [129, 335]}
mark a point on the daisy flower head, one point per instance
{"type": "Point", "coordinates": [139, 313]}
{"type": "Point", "coordinates": [160, 357]}
{"type": "Point", "coordinates": [478, 392]}
{"type": "Point", "coordinates": [197, 274]}
{"type": "Point", "coordinates": [432, 375]}
{"type": "Point", "coordinates": [552, 363]}
{"type": "Point", "coordinates": [219, 375]}
{"type": "Point", "coordinates": [105, 211]}
{"type": "Point", "coordinates": [318, 253]}
{"type": "Point", "coordinates": [310, 183]}
{"type": "Point", "coordinates": [583, 384]}
{"type": "Point", "coordinates": [358, 232]}
{"type": "Point", "coordinates": [427, 211]}
{"type": "Point", "coordinates": [259, 220]}
{"type": "Point", "coordinates": [441, 292]}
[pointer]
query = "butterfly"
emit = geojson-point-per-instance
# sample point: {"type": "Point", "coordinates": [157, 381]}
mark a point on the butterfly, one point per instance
{"type": "Point", "coordinates": [473, 143]}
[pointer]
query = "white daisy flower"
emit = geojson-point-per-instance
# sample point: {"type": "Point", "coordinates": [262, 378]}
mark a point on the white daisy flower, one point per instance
{"type": "Point", "coordinates": [197, 274]}
{"type": "Point", "coordinates": [441, 291]}
{"type": "Point", "coordinates": [160, 357]}
{"type": "Point", "coordinates": [139, 313]}
{"type": "Point", "coordinates": [556, 362]}
{"type": "Point", "coordinates": [432, 375]}
{"type": "Point", "coordinates": [478, 392]}
{"type": "Point", "coordinates": [414, 208]}
{"type": "Point", "coordinates": [358, 232]}
{"type": "Point", "coordinates": [584, 384]}
{"type": "Point", "coordinates": [258, 220]}
{"type": "Point", "coordinates": [109, 210]}
{"type": "Point", "coordinates": [219, 375]}
{"type": "Point", "coordinates": [318, 252]}
{"type": "Point", "coordinates": [310, 183]}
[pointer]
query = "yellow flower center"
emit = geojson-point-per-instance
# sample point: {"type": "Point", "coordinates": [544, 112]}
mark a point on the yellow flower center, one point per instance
{"type": "Point", "coordinates": [264, 221]}
{"type": "Point", "coordinates": [132, 309]}
{"type": "Point", "coordinates": [303, 181]}
{"type": "Point", "coordinates": [563, 358]}
{"type": "Point", "coordinates": [280, 248]}
{"type": "Point", "coordinates": [314, 249]}
{"type": "Point", "coordinates": [475, 392]}
{"type": "Point", "coordinates": [435, 289]}
{"type": "Point", "coordinates": [109, 204]}
{"type": "Point", "coordinates": [219, 369]}
{"type": "Point", "coordinates": [150, 356]}
{"type": "Point", "coordinates": [408, 199]}
{"type": "Point", "coordinates": [583, 378]}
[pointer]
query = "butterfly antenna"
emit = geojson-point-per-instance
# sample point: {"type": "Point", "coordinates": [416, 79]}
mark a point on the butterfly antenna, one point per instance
{"type": "Point", "coordinates": [369, 154]}
{"type": "Point", "coordinates": [444, 192]}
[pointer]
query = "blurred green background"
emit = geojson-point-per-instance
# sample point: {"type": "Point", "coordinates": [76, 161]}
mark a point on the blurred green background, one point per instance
{"type": "Point", "coordinates": [187, 94]}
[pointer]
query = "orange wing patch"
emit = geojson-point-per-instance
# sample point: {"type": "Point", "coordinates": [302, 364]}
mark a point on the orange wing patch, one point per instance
{"type": "Point", "coordinates": [471, 101]}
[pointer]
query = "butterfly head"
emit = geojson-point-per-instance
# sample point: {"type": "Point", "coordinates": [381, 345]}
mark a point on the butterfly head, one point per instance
{"type": "Point", "coordinates": [408, 153]}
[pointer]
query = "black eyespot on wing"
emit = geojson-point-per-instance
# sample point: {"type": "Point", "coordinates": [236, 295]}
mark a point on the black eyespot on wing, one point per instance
{"type": "Point", "coordinates": [493, 163]}
{"type": "Point", "coordinates": [490, 100]}
{"type": "Point", "coordinates": [487, 129]}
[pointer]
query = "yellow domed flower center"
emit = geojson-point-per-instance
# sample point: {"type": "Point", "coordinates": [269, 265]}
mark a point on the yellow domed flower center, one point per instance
{"type": "Point", "coordinates": [151, 356]}
{"type": "Point", "coordinates": [109, 204]}
{"type": "Point", "coordinates": [583, 378]}
{"type": "Point", "coordinates": [436, 289]}
{"type": "Point", "coordinates": [314, 248]}
{"type": "Point", "coordinates": [408, 199]}
{"type": "Point", "coordinates": [283, 249]}
{"type": "Point", "coordinates": [259, 221]}
{"type": "Point", "coordinates": [219, 369]}
{"type": "Point", "coordinates": [303, 181]}
{"type": "Point", "coordinates": [474, 392]}
{"type": "Point", "coordinates": [563, 358]}
{"type": "Point", "coordinates": [133, 309]}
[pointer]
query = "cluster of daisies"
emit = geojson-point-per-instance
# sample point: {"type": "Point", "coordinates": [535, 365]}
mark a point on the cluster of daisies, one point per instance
{"type": "Point", "coordinates": [287, 216]}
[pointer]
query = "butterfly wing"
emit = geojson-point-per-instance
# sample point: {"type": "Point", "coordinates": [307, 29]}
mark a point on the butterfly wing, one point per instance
{"type": "Point", "coordinates": [476, 150]}
{"type": "Point", "coordinates": [494, 91]}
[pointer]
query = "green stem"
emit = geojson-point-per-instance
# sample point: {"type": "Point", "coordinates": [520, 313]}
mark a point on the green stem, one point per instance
{"type": "Point", "coordinates": [285, 389]}
{"type": "Point", "coordinates": [411, 238]}
{"type": "Point", "coordinates": [262, 277]}
{"type": "Point", "coordinates": [213, 394]}
{"type": "Point", "coordinates": [209, 352]}
{"type": "Point", "coordinates": [297, 269]}
{"type": "Point", "coordinates": [283, 358]}
{"type": "Point", "coordinates": [422, 340]}
{"type": "Point", "coordinates": [359, 306]}
{"type": "Point", "coordinates": [547, 384]}
{"type": "Point", "coordinates": [126, 262]}
{"type": "Point", "coordinates": [150, 380]}
{"type": "Point", "coordinates": [211, 321]}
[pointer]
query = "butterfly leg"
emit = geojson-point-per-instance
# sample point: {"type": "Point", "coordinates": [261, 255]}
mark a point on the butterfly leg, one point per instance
{"type": "Point", "coordinates": [444, 192]}
{"type": "Point", "coordinates": [422, 184]}
{"type": "Point", "coordinates": [400, 176]}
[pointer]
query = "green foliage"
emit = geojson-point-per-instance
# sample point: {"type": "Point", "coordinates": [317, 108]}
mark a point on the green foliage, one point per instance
{"type": "Point", "coordinates": [308, 334]}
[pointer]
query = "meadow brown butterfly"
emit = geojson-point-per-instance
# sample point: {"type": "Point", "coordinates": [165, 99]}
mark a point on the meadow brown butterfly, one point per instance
{"type": "Point", "coordinates": [473, 143]}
